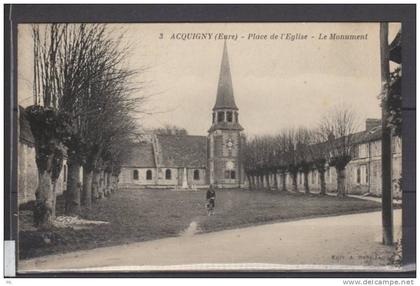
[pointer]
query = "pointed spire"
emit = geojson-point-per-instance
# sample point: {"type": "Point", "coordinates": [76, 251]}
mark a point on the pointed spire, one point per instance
{"type": "Point", "coordinates": [225, 97]}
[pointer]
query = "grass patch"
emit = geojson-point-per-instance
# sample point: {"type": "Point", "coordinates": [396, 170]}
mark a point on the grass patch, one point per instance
{"type": "Point", "coordinates": [140, 215]}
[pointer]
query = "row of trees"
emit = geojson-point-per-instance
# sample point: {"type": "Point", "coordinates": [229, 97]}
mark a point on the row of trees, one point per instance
{"type": "Point", "coordinates": [302, 150]}
{"type": "Point", "coordinates": [83, 101]}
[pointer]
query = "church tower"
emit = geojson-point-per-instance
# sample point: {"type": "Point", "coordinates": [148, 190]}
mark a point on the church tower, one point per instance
{"type": "Point", "coordinates": [224, 139]}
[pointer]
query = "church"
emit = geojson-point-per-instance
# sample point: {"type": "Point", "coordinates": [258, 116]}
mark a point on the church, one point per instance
{"type": "Point", "coordinates": [192, 162]}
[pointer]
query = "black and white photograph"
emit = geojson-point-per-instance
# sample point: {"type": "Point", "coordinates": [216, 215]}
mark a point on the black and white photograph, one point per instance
{"type": "Point", "coordinates": [153, 147]}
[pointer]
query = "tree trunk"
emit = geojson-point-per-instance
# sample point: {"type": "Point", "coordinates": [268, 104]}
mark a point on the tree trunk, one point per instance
{"type": "Point", "coordinates": [87, 188]}
{"type": "Point", "coordinates": [44, 200]}
{"type": "Point", "coordinates": [283, 182]}
{"type": "Point", "coordinates": [107, 184]}
{"type": "Point", "coordinates": [249, 182]}
{"type": "Point", "coordinates": [267, 178]}
{"type": "Point", "coordinates": [73, 188]}
{"type": "Point", "coordinates": [54, 198]}
{"type": "Point", "coordinates": [276, 185]}
{"type": "Point", "coordinates": [322, 182]}
{"type": "Point", "coordinates": [306, 182]}
{"type": "Point", "coordinates": [95, 185]}
{"type": "Point", "coordinates": [341, 181]}
{"type": "Point", "coordinates": [102, 184]}
{"type": "Point", "coordinates": [386, 142]}
{"type": "Point", "coordinates": [295, 185]}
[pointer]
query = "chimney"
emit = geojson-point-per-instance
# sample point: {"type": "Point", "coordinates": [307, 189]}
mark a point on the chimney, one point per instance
{"type": "Point", "coordinates": [372, 123]}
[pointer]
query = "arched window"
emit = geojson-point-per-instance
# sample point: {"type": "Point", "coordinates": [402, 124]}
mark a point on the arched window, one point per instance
{"type": "Point", "coordinates": [196, 175]}
{"type": "Point", "coordinates": [229, 116]}
{"type": "Point", "coordinates": [135, 175]}
{"type": "Point", "coordinates": [148, 174]}
{"type": "Point", "coordinates": [168, 174]}
{"type": "Point", "coordinates": [220, 116]}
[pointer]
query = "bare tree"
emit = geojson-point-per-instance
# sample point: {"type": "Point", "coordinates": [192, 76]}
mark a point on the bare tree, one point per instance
{"type": "Point", "coordinates": [77, 79]}
{"type": "Point", "coordinates": [49, 125]}
{"type": "Point", "coordinates": [170, 130]}
{"type": "Point", "coordinates": [319, 154]}
{"type": "Point", "coordinates": [337, 129]}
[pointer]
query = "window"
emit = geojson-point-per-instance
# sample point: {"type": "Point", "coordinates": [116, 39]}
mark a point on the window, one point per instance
{"type": "Point", "coordinates": [148, 174]}
{"type": "Point", "coordinates": [227, 174]}
{"type": "Point", "coordinates": [196, 175]}
{"type": "Point", "coordinates": [213, 117]}
{"type": "Point", "coordinates": [135, 175]}
{"type": "Point", "coordinates": [236, 116]}
{"type": "Point", "coordinates": [366, 176]}
{"type": "Point", "coordinates": [168, 174]}
{"type": "Point", "coordinates": [363, 151]}
{"type": "Point", "coordinates": [232, 174]}
{"type": "Point", "coordinates": [229, 116]}
{"type": "Point", "coordinates": [65, 173]}
{"type": "Point", "coordinates": [358, 175]}
{"type": "Point", "coordinates": [220, 116]}
{"type": "Point", "coordinates": [313, 177]}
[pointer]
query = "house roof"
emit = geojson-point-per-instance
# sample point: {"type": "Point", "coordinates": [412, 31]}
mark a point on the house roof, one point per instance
{"type": "Point", "coordinates": [140, 155]}
{"type": "Point", "coordinates": [182, 151]}
{"type": "Point", "coordinates": [395, 49]}
{"type": "Point", "coordinates": [25, 134]}
{"type": "Point", "coordinates": [367, 136]}
{"type": "Point", "coordinates": [225, 97]}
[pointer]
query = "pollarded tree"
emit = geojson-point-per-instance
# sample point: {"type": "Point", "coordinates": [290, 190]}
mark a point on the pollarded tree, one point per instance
{"type": "Point", "coordinates": [111, 103]}
{"type": "Point", "coordinates": [50, 125]}
{"type": "Point", "coordinates": [303, 154]}
{"type": "Point", "coordinates": [291, 156]}
{"type": "Point", "coordinates": [337, 130]}
{"type": "Point", "coordinates": [249, 160]}
{"type": "Point", "coordinates": [89, 65]}
{"type": "Point", "coordinates": [319, 154]}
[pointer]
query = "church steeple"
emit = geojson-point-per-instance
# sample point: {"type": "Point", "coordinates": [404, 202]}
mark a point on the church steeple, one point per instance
{"type": "Point", "coordinates": [225, 99]}
{"type": "Point", "coordinates": [224, 139]}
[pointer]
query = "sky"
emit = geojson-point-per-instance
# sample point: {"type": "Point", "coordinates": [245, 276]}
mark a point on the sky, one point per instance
{"type": "Point", "coordinates": [277, 83]}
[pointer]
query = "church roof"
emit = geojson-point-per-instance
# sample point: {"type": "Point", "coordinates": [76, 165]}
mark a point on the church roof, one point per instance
{"type": "Point", "coordinates": [140, 155]}
{"type": "Point", "coordinates": [225, 97]}
{"type": "Point", "coordinates": [182, 151]}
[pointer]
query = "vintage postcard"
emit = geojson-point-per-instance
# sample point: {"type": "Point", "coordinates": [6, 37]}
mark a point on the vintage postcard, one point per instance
{"type": "Point", "coordinates": [209, 147]}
